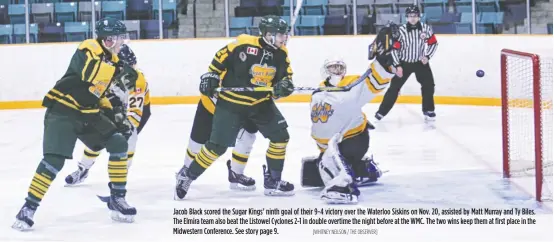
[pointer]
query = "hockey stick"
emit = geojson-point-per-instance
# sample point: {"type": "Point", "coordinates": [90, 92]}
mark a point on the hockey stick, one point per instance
{"type": "Point", "coordinates": [270, 89]}
{"type": "Point", "coordinates": [296, 12]}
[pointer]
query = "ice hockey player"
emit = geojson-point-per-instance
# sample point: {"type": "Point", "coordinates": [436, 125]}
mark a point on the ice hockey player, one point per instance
{"type": "Point", "coordinates": [200, 133]}
{"type": "Point", "coordinates": [137, 104]}
{"type": "Point", "coordinates": [340, 128]}
{"type": "Point", "coordinates": [249, 61]}
{"type": "Point", "coordinates": [76, 108]}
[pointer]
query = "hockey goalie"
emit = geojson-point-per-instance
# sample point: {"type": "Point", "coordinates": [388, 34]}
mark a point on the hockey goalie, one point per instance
{"type": "Point", "coordinates": [341, 129]}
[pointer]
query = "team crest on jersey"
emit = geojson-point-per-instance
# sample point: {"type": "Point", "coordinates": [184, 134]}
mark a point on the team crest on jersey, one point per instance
{"type": "Point", "coordinates": [252, 51]}
{"type": "Point", "coordinates": [262, 75]}
{"type": "Point", "coordinates": [99, 87]}
{"type": "Point", "coordinates": [321, 112]}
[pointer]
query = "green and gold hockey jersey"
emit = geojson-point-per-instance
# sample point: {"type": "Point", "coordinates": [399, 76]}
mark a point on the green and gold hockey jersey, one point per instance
{"type": "Point", "coordinates": [88, 77]}
{"type": "Point", "coordinates": [249, 62]}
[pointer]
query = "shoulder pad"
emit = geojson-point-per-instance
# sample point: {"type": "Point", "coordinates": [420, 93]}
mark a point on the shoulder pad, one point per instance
{"type": "Point", "coordinates": [248, 39]}
{"type": "Point", "coordinates": [91, 45]}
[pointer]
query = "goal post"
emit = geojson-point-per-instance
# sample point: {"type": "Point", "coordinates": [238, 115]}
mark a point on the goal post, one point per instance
{"type": "Point", "coordinates": [526, 83]}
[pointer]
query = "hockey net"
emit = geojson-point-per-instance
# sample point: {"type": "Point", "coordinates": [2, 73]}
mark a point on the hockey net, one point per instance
{"type": "Point", "coordinates": [527, 120]}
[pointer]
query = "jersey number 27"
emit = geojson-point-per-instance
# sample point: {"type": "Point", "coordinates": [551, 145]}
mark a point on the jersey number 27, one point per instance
{"type": "Point", "coordinates": [136, 102]}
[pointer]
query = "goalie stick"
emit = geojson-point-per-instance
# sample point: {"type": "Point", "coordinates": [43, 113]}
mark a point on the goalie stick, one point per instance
{"type": "Point", "coordinates": [270, 89]}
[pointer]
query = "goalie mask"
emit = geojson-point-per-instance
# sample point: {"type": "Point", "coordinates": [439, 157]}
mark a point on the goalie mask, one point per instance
{"type": "Point", "coordinates": [333, 70]}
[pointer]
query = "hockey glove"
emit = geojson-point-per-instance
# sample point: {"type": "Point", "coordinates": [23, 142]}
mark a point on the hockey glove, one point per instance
{"type": "Point", "coordinates": [127, 76]}
{"type": "Point", "coordinates": [122, 123]}
{"type": "Point", "coordinates": [283, 88]}
{"type": "Point", "coordinates": [208, 83]}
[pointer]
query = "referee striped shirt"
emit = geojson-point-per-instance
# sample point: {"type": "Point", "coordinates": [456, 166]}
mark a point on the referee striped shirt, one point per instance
{"type": "Point", "coordinates": [415, 42]}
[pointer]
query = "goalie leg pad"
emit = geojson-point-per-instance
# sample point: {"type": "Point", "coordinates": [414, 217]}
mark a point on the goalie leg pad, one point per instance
{"type": "Point", "coordinates": [310, 172]}
{"type": "Point", "coordinates": [337, 176]}
{"type": "Point", "coordinates": [341, 195]}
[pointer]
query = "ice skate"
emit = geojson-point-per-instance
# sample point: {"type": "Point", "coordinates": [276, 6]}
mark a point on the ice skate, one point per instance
{"type": "Point", "coordinates": [430, 116]}
{"type": "Point", "coordinates": [369, 174]}
{"type": "Point", "coordinates": [274, 186]}
{"type": "Point", "coordinates": [77, 177]}
{"type": "Point", "coordinates": [120, 210]}
{"type": "Point", "coordinates": [24, 219]}
{"type": "Point", "coordinates": [340, 195]}
{"type": "Point", "coordinates": [240, 181]}
{"type": "Point", "coordinates": [183, 184]}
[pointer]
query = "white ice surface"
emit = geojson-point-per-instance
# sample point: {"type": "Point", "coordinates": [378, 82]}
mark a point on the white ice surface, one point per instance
{"type": "Point", "coordinates": [456, 165]}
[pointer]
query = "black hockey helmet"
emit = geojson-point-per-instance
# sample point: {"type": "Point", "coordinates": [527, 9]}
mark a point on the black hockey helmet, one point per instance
{"type": "Point", "coordinates": [127, 55]}
{"type": "Point", "coordinates": [414, 9]}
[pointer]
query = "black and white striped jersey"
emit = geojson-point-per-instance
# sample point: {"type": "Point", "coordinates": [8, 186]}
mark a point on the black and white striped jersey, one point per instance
{"type": "Point", "coordinates": [416, 41]}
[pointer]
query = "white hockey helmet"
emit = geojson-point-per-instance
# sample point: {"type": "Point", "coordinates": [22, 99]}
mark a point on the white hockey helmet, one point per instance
{"type": "Point", "coordinates": [333, 68]}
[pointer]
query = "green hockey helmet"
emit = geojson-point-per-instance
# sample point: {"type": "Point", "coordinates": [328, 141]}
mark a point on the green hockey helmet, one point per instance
{"type": "Point", "coordinates": [278, 29]}
{"type": "Point", "coordinates": [273, 24]}
{"type": "Point", "coordinates": [109, 27]}
{"type": "Point", "coordinates": [112, 32]}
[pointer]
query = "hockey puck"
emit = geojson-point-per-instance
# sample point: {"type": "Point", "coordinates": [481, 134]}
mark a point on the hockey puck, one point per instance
{"type": "Point", "coordinates": [480, 73]}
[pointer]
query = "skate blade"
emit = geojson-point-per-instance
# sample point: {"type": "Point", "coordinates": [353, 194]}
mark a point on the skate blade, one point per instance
{"type": "Point", "coordinates": [73, 184]}
{"type": "Point", "coordinates": [239, 187]}
{"type": "Point", "coordinates": [21, 226]}
{"type": "Point", "coordinates": [277, 193]}
{"type": "Point", "coordinates": [119, 217]}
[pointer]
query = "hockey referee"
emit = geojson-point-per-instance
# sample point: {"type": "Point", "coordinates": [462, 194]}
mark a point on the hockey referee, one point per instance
{"type": "Point", "coordinates": [415, 47]}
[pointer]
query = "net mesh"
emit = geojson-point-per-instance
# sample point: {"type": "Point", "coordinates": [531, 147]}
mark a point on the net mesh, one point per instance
{"type": "Point", "coordinates": [521, 117]}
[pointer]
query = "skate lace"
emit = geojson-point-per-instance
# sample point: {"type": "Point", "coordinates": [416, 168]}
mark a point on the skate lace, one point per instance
{"type": "Point", "coordinates": [282, 183]}
{"type": "Point", "coordinates": [184, 182]}
{"type": "Point", "coordinates": [28, 212]}
{"type": "Point", "coordinates": [243, 178]}
{"type": "Point", "coordinates": [121, 202]}
{"type": "Point", "coordinates": [76, 175]}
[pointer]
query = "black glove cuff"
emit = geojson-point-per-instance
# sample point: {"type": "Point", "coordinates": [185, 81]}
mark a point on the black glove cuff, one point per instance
{"type": "Point", "coordinates": [212, 75]}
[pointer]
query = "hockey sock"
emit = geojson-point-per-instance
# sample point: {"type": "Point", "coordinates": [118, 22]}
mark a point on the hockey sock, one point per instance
{"type": "Point", "coordinates": [130, 156]}
{"type": "Point", "coordinates": [89, 157]}
{"type": "Point", "coordinates": [238, 162]}
{"type": "Point", "coordinates": [44, 175]}
{"type": "Point", "coordinates": [192, 149]}
{"type": "Point", "coordinates": [275, 156]}
{"type": "Point", "coordinates": [204, 159]}
{"type": "Point", "coordinates": [117, 170]}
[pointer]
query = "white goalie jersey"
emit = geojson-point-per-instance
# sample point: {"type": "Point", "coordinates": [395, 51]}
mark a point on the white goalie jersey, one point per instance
{"type": "Point", "coordinates": [341, 112]}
